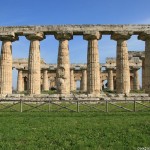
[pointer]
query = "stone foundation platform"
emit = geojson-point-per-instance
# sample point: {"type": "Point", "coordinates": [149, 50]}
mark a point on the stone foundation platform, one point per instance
{"type": "Point", "coordinates": [69, 97]}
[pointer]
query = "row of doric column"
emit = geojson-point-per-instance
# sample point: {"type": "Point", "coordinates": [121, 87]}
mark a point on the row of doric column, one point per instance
{"type": "Point", "coordinates": [134, 83]}
{"type": "Point", "coordinates": [63, 63]}
{"type": "Point", "coordinates": [134, 80]}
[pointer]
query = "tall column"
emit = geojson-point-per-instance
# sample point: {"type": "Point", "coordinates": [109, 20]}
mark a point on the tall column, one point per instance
{"type": "Point", "coordinates": [110, 79]}
{"type": "Point", "coordinates": [34, 63]}
{"type": "Point", "coordinates": [146, 37]}
{"type": "Point", "coordinates": [84, 80]}
{"type": "Point", "coordinates": [23, 89]}
{"type": "Point", "coordinates": [93, 67]}
{"type": "Point", "coordinates": [45, 81]}
{"type": "Point", "coordinates": [20, 81]}
{"type": "Point", "coordinates": [72, 79]}
{"type": "Point", "coordinates": [143, 73]}
{"type": "Point", "coordinates": [122, 63]}
{"type": "Point", "coordinates": [136, 84]}
{"type": "Point", "coordinates": [131, 83]}
{"type": "Point", "coordinates": [114, 83]}
{"type": "Point", "coordinates": [63, 63]}
{"type": "Point", "coordinates": [6, 63]}
{"type": "Point", "coordinates": [75, 85]}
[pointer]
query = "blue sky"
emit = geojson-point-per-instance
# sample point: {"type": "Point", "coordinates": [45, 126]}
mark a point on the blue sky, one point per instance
{"type": "Point", "coordinates": [48, 12]}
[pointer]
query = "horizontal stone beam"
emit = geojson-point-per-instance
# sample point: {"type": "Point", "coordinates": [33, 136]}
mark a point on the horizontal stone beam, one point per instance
{"type": "Point", "coordinates": [76, 29]}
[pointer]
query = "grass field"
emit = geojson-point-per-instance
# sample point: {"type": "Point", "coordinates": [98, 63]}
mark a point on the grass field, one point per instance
{"type": "Point", "coordinates": [77, 131]}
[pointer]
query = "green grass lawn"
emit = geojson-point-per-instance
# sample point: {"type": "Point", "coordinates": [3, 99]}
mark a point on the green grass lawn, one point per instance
{"type": "Point", "coordinates": [77, 131]}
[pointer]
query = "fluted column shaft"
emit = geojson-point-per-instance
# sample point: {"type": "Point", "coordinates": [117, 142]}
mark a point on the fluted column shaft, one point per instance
{"type": "Point", "coordinates": [6, 67]}
{"type": "Point", "coordinates": [122, 64]}
{"type": "Point", "coordinates": [147, 66]}
{"type": "Point", "coordinates": [20, 81]}
{"type": "Point", "coordinates": [136, 84]}
{"type": "Point", "coordinates": [72, 80]}
{"type": "Point", "coordinates": [75, 85]}
{"type": "Point", "coordinates": [34, 64]}
{"type": "Point", "coordinates": [131, 83]}
{"type": "Point", "coordinates": [23, 89]}
{"type": "Point", "coordinates": [122, 71]}
{"type": "Point", "coordinates": [93, 67]}
{"type": "Point", "coordinates": [6, 63]}
{"type": "Point", "coordinates": [146, 37]}
{"type": "Point", "coordinates": [143, 73]}
{"type": "Point", "coordinates": [84, 80]}
{"type": "Point", "coordinates": [63, 63]}
{"type": "Point", "coordinates": [110, 80]}
{"type": "Point", "coordinates": [45, 81]}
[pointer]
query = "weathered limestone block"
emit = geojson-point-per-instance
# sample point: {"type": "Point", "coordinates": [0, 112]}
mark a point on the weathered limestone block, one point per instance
{"type": "Point", "coordinates": [93, 67]}
{"type": "Point", "coordinates": [34, 69]}
{"type": "Point", "coordinates": [63, 63]}
{"type": "Point", "coordinates": [72, 87]}
{"type": "Point", "coordinates": [84, 81]}
{"type": "Point", "coordinates": [136, 82]}
{"type": "Point", "coordinates": [20, 81]}
{"type": "Point", "coordinates": [6, 63]}
{"type": "Point", "coordinates": [45, 81]}
{"type": "Point", "coordinates": [110, 79]}
{"type": "Point", "coordinates": [122, 63]}
{"type": "Point", "coordinates": [146, 37]}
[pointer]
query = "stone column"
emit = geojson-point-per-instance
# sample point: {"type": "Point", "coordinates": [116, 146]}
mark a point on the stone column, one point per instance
{"type": "Point", "coordinates": [45, 80]}
{"type": "Point", "coordinates": [23, 84]}
{"type": "Point", "coordinates": [6, 63]}
{"type": "Point", "coordinates": [136, 84]}
{"type": "Point", "coordinates": [114, 83]}
{"type": "Point", "coordinates": [122, 63]}
{"type": "Point", "coordinates": [20, 81]}
{"type": "Point", "coordinates": [75, 85]}
{"type": "Point", "coordinates": [63, 63]}
{"type": "Point", "coordinates": [131, 83]}
{"type": "Point", "coordinates": [84, 80]}
{"type": "Point", "coordinates": [143, 73]}
{"type": "Point", "coordinates": [146, 37]}
{"type": "Point", "coordinates": [72, 79]}
{"type": "Point", "coordinates": [34, 63]}
{"type": "Point", "coordinates": [110, 79]}
{"type": "Point", "coordinates": [101, 83]}
{"type": "Point", "coordinates": [93, 67]}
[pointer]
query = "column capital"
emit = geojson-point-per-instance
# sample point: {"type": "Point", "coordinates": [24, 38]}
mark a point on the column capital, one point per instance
{"type": "Point", "coordinates": [110, 68]}
{"type": "Point", "coordinates": [71, 68]}
{"type": "Point", "coordinates": [92, 35]}
{"type": "Point", "coordinates": [19, 69]}
{"type": "Point", "coordinates": [8, 37]}
{"type": "Point", "coordinates": [63, 35]}
{"type": "Point", "coordinates": [143, 57]}
{"type": "Point", "coordinates": [44, 69]}
{"type": "Point", "coordinates": [121, 35]}
{"type": "Point", "coordinates": [135, 68]}
{"type": "Point", "coordinates": [35, 36]}
{"type": "Point", "coordinates": [144, 36]}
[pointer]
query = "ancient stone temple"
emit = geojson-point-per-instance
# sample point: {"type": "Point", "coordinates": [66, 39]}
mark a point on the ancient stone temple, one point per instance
{"type": "Point", "coordinates": [34, 75]}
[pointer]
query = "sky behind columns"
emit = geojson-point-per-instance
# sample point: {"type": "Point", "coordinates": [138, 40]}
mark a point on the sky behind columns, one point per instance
{"type": "Point", "coordinates": [57, 12]}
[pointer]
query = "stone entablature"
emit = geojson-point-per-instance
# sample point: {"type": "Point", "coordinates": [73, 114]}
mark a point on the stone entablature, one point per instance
{"type": "Point", "coordinates": [76, 29]}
